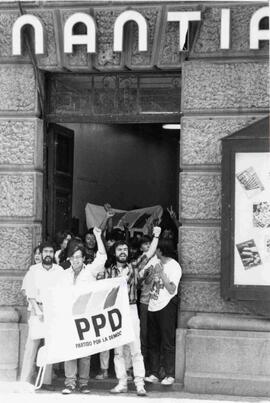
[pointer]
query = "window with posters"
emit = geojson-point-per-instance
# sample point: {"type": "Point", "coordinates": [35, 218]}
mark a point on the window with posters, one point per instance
{"type": "Point", "coordinates": [245, 262]}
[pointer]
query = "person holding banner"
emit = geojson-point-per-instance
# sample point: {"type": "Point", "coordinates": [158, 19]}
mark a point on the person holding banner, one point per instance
{"type": "Point", "coordinates": [145, 282]}
{"type": "Point", "coordinates": [79, 274]}
{"type": "Point", "coordinates": [121, 268]}
{"type": "Point", "coordinates": [38, 277]}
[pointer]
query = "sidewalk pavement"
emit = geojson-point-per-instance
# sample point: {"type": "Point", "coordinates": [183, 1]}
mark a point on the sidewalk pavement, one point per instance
{"type": "Point", "coordinates": [11, 395]}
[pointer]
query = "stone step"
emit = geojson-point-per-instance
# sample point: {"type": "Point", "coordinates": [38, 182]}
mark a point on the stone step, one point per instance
{"type": "Point", "coordinates": [107, 384]}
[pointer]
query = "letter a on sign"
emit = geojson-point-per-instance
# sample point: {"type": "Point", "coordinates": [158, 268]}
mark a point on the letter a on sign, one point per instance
{"type": "Point", "coordinates": [88, 39]}
{"type": "Point", "coordinates": [257, 34]}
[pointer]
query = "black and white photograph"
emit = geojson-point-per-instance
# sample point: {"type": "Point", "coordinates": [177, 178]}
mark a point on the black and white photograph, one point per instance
{"type": "Point", "coordinates": [261, 214]}
{"type": "Point", "coordinates": [134, 201]}
{"type": "Point", "coordinates": [250, 182]}
{"type": "Point", "coordinates": [249, 254]}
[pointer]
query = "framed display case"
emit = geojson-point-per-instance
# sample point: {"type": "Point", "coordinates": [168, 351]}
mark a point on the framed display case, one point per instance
{"type": "Point", "coordinates": [245, 226]}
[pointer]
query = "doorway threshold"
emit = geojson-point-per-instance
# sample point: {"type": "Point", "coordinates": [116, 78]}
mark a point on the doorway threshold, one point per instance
{"type": "Point", "coordinates": [106, 385]}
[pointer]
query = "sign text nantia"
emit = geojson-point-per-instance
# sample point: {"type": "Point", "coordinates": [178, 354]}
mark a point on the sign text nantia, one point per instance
{"type": "Point", "coordinates": [183, 18]}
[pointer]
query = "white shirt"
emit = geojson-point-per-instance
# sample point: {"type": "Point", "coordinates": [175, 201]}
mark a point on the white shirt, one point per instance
{"type": "Point", "coordinates": [88, 272]}
{"type": "Point", "coordinates": [84, 276]}
{"type": "Point", "coordinates": [38, 278]}
{"type": "Point", "coordinates": [97, 265]}
{"type": "Point", "coordinates": [159, 295]}
{"type": "Point", "coordinates": [147, 285]}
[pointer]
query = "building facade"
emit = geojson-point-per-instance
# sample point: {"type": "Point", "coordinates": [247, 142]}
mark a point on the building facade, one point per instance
{"type": "Point", "coordinates": [223, 346]}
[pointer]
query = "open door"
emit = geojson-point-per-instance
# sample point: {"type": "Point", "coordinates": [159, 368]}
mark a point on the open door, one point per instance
{"type": "Point", "coordinates": [59, 180]}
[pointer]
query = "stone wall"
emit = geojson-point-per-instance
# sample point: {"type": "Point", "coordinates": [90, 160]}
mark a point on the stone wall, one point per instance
{"type": "Point", "coordinates": [21, 166]}
{"type": "Point", "coordinates": [222, 92]}
{"type": "Point", "coordinates": [218, 99]}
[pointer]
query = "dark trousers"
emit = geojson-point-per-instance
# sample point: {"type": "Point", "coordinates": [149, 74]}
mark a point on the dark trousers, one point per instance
{"type": "Point", "coordinates": [143, 333]}
{"type": "Point", "coordinates": [161, 337]}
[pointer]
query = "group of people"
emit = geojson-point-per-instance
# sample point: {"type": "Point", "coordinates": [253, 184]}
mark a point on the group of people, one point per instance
{"type": "Point", "coordinates": [152, 273]}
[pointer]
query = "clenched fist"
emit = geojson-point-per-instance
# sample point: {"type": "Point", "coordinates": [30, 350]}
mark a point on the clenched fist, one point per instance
{"type": "Point", "coordinates": [156, 231]}
{"type": "Point", "coordinates": [97, 232]}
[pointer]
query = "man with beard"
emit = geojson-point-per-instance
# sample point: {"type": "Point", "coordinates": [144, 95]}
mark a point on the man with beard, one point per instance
{"type": "Point", "coordinates": [39, 277]}
{"type": "Point", "coordinates": [122, 268]}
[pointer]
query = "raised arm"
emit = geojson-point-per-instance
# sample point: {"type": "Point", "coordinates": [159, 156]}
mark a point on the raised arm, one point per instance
{"type": "Point", "coordinates": [97, 266]}
{"type": "Point", "coordinates": [154, 243]}
{"type": "Point", "coordinates": [100, 245]}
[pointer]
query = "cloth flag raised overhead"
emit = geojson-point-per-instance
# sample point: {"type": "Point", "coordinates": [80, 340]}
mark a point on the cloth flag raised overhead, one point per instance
{"type": "Point", "coordinates": [137, 220]}
{"type": "Point", "coordinates": [81, 321]}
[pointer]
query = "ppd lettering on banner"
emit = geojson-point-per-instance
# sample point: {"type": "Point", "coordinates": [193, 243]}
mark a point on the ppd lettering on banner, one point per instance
{"type": "Point", "coordinates": [87, 320]}
{"type": "Point", "coordinates": [113, 317]}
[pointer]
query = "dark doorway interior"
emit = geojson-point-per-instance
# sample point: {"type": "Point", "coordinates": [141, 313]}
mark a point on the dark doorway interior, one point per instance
{"type": "Point", "coordinates": [127, 165]}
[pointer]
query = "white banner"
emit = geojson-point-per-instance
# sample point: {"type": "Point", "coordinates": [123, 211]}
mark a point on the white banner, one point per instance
{"type": "Point", "coordinates": [82, 321]}
{"type": "Point", "coordinates": [137, 220]}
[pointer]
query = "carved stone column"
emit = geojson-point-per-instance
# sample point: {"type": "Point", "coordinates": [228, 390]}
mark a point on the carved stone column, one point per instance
{"type": "Point", "coordinates": [21, 166]}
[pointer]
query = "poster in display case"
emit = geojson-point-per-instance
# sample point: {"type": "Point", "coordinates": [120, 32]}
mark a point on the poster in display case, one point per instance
{"type": "Point", "coordinates": [245, 227]}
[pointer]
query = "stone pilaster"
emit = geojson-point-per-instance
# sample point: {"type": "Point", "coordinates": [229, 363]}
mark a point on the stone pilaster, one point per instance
{"type": "Point", "coordinates": [219, 97]}
{"type": "Point", "coordinates": [217, 100]}
{"type": "Point", "coordinates": [21, 176]}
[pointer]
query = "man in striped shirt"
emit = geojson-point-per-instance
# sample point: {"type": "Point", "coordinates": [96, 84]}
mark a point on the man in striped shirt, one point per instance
{"type": "Point", "coordinates": [122, 268]}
